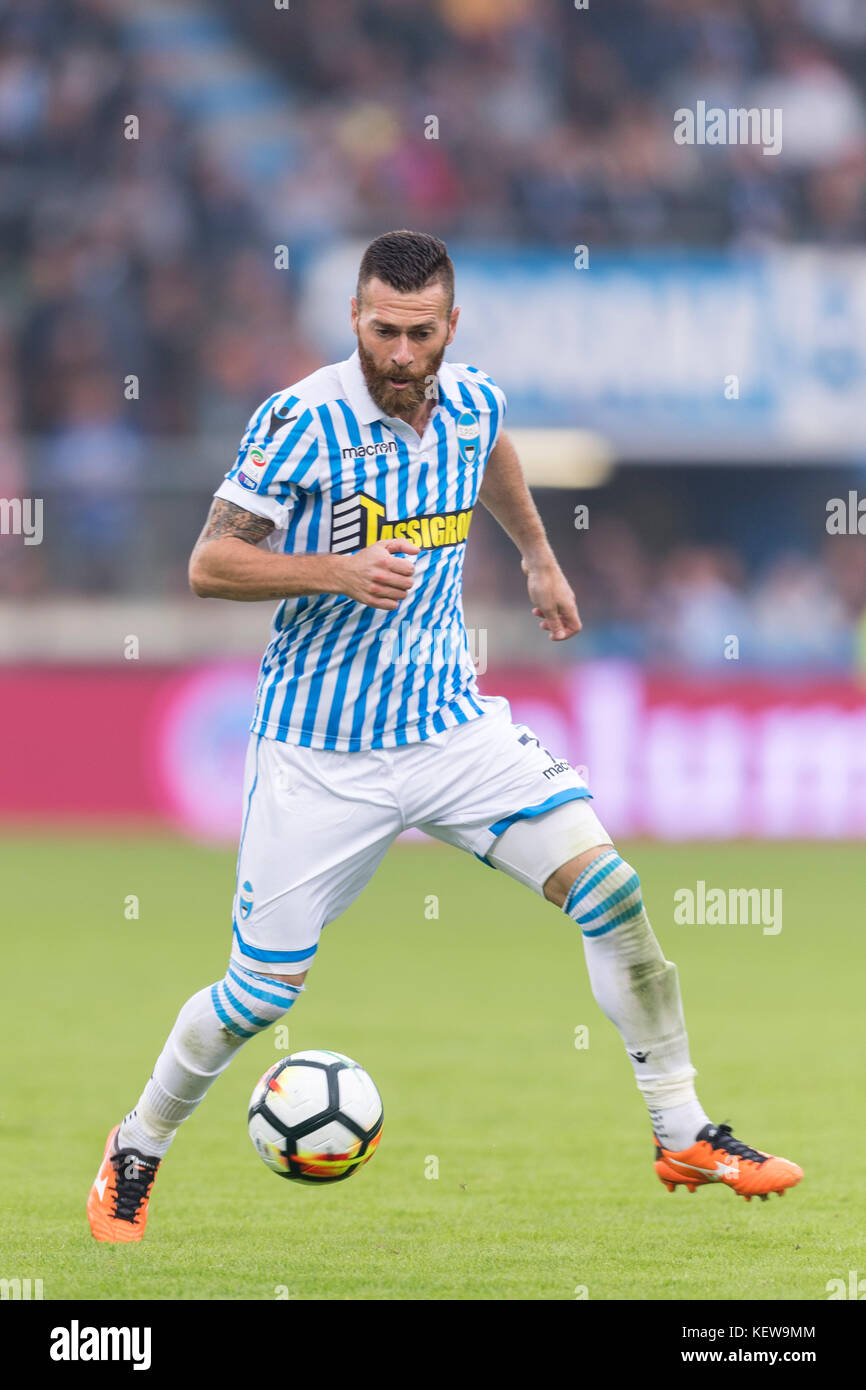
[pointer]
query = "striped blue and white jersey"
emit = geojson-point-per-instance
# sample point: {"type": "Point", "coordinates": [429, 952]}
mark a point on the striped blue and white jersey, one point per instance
{"type": "Point", "coordinates": [334, 474]}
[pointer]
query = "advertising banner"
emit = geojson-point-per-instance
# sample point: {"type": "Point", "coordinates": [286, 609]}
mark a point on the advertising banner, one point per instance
{"type": "Point", "coordinates": [665, 756]}
{"type": "Point", "coordinates": [672, 353]}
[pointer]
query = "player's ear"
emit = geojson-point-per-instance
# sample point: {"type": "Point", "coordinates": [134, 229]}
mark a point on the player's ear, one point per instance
{"type": "Point", "coordinates": [355, 312]}
{"type": "Point", "coordinates": [452, 324]}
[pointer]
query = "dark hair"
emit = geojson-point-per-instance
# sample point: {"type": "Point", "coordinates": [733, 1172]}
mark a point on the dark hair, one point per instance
{"type": "Point", "coordinates": [407, 261]}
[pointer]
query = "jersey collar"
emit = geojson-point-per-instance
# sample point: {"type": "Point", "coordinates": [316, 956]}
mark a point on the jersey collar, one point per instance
{"type": "Point", "coordinates": [449, 387]}
{"type": "Point", "coordinates": [365, 408]}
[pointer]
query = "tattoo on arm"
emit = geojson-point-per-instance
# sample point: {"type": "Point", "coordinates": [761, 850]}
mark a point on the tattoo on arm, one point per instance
{"type": "Point", "coordinates": [225, 519]}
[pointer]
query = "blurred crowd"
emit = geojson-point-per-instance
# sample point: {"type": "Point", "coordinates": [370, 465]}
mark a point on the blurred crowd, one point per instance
{"type": "Point", "coordinates": [136, 302]}
{"type": "Point", "coordinates": [693, 605]}
{"type": "Point", "coordinates": [553, 117]}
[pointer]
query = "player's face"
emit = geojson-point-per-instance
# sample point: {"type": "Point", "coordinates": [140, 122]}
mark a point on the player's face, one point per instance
{"type": "Point", "coordinates": [401, 342]}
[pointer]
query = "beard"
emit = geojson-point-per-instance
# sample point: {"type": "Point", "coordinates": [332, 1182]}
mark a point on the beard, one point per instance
{"type": "Point", "coordinates": [386, 397]}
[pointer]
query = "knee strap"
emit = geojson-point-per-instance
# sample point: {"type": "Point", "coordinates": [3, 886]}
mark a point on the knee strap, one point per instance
{"type": "Point", "coordinates": [604, 896]}
{"type": "Point", "coordinates": [246, 1003]}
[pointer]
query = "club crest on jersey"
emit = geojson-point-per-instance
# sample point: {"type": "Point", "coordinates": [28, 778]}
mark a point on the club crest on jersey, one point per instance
{"type": "Point", "coordinates": [468, 437]}
{"type": "Point", "coordinates": [252, 472]}
{"type": "Point", "coordinates": [359, 521]}
{"type": "Point", "coordinates": [246, 904]}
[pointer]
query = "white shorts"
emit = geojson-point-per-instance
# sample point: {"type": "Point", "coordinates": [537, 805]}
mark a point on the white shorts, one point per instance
{"type": "Point", "coordinates": [317, 824]}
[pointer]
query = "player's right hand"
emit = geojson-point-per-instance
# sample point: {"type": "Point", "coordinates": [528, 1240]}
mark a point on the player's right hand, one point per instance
{"type": "Point", "coordinates": [376, 576]}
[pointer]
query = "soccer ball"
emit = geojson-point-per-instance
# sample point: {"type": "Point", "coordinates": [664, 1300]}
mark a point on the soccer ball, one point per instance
{"type": "Point", "coordinates": [315, 1116]}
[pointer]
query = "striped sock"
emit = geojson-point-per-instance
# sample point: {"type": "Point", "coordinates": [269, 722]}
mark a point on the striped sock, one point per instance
{"type": "Point", "coordinates": [639, 992]}
{"type": "Point", "coordinates": [604, 896]}
{"type": "Point", "coordinates": [210, 1028]}
{"type": "Point", "coordinates": [245, 1003]}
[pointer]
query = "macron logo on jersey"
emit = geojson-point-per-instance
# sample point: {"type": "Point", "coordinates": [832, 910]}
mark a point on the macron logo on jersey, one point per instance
{"type": "Point", "coordinates": [359, 521]}
{"type": "Point", "coordinates": [369, 450]}
{"type": "Point", "coordinates": [279, 422]}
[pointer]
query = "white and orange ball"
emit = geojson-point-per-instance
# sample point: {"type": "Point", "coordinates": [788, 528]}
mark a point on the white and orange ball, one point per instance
{"type": "Point", "coordinates": [315, 1116]}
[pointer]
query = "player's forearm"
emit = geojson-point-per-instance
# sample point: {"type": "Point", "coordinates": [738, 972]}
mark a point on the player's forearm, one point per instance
{"type": "Point", "coordinates": [234, 569]}
{"type": "Point", "coordinates": [508, 499]}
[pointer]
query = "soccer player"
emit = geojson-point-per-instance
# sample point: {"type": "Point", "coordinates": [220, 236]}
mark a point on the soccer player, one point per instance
{"type": "Point", "coordinates": [350, 503]}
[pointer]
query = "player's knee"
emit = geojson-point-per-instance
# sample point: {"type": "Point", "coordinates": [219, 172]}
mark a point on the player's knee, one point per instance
{"type": "Point", "coordinates": [291, 979]}
{"type": "Point", "coordinates": [558, 886]}
{"type": "Point", "coordinates": [247, 1002]}
{"type": "Point", "coordinates": [605, 894]}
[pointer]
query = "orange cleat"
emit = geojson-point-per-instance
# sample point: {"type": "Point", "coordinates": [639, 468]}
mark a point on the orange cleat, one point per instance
{"type": "Point", "coordinates": [716, 1156]}
{"type": "Point", "coordinates": [117, 1205]}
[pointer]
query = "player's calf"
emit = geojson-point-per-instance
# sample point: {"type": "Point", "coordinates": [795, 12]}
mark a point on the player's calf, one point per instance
{"type": "Point", "coordinates": [635, 986]}
{"type": "Point", "coordinates": [210, 1029]}
{"type": "Point", "coordinates": [639, 991]}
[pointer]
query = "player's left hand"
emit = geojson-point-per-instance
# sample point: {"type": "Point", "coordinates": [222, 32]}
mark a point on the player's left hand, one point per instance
{"type": "Point", "coordinates": [553, 600]}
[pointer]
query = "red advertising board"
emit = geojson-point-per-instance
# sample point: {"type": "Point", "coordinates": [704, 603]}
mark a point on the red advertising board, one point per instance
{"type": "Point", "coordinates": [665, 756]}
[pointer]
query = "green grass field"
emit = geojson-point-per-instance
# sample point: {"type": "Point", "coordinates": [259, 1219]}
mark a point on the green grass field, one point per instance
{"type": "Point", "coordinates": [467, 1023]}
